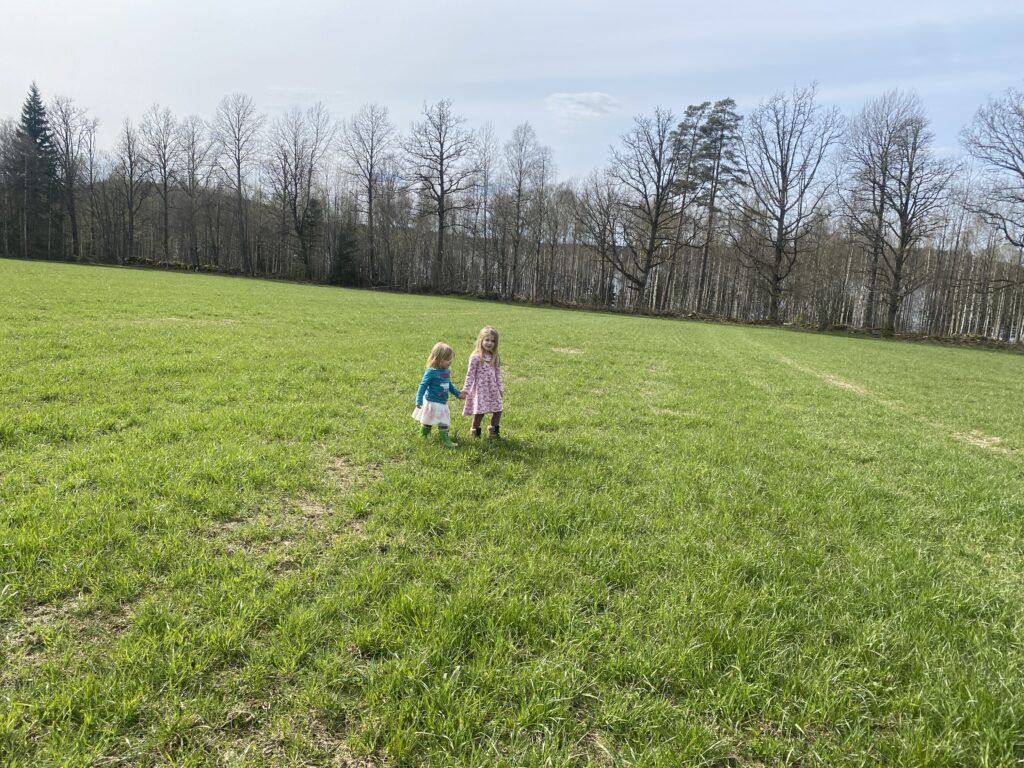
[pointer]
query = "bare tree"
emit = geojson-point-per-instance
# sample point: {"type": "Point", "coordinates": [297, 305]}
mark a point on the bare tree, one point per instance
{"type": "Point", "coordinates": [299, 142]}
{"type": "Point", "coordinates": [160, 144]}
{"type": "Point", "coordinates": [194, 174]}
{"type": "Point", "coordinates": [521, 157]}
{"type": "Point", "coordinates": [70, 128]}
{"type": "Point", "coordinates": [785, 143]}
{"type": "Point", "coordinates": [996, 138]}
{"type": "Point", "coordinates": [486, 156]}
{"type": "Point", "coordinates": [599, 211]}
{"type": "Point", "coordinates": [869, 152]}
{"type": "Point", "coordinates": [442, 164]}
{"type": "Point", "coordinates": [394, 207]}
{"type": "Point", "coordinates": [91, 164]}
{"type": "Point", "coordinates": [366, 139]}
{"type": "Point", "coordinates": [8, 193]}
{"type": "Point", "coordinates": [645, 170]}
{"type": "Point", "coordinates": [544, 174]}
{"type": "Point", "coordinates": [236, 129]}
{"type": "Point", "coordinates": [558, 236]}
{"type": "Point", "coordinates": [915, 188]}
{"type": "Point", "coordinates": [133, 173]}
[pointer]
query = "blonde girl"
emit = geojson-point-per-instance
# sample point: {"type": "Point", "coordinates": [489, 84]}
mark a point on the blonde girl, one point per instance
{"type": "Point", "coordinates": [485, 388]}
{"type": "Point", "coordinates": [432, 395]}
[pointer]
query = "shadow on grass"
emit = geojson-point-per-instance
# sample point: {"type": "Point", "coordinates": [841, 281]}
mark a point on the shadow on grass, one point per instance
{"type": "Point", "coordinates": [517, 450]}
{"type": "Point", "coordinates": [526, 452]}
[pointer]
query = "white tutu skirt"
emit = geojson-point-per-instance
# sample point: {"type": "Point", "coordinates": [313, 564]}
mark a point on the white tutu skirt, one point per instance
{"type": "Point", "coordinates": [433, 414]}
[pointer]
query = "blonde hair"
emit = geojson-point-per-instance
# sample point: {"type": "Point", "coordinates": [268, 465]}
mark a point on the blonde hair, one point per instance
{"type": "Point", "coordinates": [478, 350]}
{"type": "Point", "coordinates": [440, 356]}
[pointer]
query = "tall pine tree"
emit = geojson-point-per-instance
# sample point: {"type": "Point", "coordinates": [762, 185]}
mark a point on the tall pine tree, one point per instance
{"type": "Point", "coordinates": [32, 175]}
{"type": "Point", "coordinates": [706, 143]}
{"type": "Point", "coordinates": [719, 168]}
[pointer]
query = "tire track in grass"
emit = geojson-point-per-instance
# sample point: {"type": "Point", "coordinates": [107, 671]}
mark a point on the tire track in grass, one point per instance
{"type": "Point", "coordinates": [976, 438]}
{"type": "Point", "coordinates": [982, 555]}
{"type": "Point", "coordinates": [894, 544]}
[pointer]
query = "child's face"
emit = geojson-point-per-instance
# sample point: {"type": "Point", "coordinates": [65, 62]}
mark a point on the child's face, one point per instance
{"type": "Point", "coordinates": [488, 344]}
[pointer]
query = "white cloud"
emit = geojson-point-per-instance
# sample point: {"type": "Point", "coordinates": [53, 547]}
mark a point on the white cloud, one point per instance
{"type": "Point", "coordinates": [579, 107]}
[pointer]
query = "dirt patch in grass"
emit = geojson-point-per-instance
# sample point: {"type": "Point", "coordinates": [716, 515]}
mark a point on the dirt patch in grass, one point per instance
{"type": "Point", "coordinates": [27, 638]}
{"type": "Point", "coordinates": [282, 530]}
{"type": "Point", "coordinates": [270, 530]}
{"type": "Point", "coordinates": [347, 474]}
{"type": "Point", "coordinates": [338, 752]}
{"type": "Point", "coordinates": [593, 749]}
{"type": "Point", "coordinates": [311, 510]}
{"type": "Point", "coordinates": [567, 350]}
{"type": "Point", "coordinates": [271, 746]}
{"type": "Point", "coordinates": [42, 616]}
{"type": "Point", "coordinates": [279, 526]}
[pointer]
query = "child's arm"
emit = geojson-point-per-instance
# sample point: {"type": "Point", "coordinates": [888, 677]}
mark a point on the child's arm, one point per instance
{"type": "Point", "coordinates": [427, 376]}
{"type": "Point", "coordinates": [501, 382]}
{"type": "Point", "coordinates": [455, 389]}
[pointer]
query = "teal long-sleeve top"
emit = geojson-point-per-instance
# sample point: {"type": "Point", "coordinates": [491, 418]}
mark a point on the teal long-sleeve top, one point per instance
{"type": "Point", "coordinates": [435, 386]}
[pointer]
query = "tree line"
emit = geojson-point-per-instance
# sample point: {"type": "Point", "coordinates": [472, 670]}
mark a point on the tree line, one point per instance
{"type": "Point", "coordinates": [792, 213]}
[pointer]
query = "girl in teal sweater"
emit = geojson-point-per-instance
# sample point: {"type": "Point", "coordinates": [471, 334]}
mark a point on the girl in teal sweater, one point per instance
{"type": "Point", "coordinates": [432, 395]}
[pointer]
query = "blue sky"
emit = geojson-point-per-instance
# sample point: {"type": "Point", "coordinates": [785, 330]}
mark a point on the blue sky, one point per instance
{"type": "Point", "coordinates": [578, 71]}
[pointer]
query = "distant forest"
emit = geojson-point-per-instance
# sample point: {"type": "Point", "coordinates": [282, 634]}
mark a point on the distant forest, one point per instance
{"type": "Point", "coordinates": [792, 213]}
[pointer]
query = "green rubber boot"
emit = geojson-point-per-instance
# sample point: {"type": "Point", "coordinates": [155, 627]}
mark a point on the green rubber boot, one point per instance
{"type": "Point", "coordinates": [446, 441]}
{"type": "Point", "coordinates": [425, 431]}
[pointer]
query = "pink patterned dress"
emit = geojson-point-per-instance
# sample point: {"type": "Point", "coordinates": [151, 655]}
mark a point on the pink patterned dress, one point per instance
{"type": "Point", "coordinates": [484, 387]}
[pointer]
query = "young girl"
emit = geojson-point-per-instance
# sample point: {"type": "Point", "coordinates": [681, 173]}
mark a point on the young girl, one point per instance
{"type": "Point", "coordinates": [484, 387]}
{"type": "Point", "coordinates": [432, 395]}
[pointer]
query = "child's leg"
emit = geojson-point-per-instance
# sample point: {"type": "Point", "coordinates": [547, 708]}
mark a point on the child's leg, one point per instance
{"type": "Point", "coordinates": [495, 429]}
{"type": "Point", "coordinates": [442, 435]}
{"type": "Point", "coordinates": [477, 419]}
{"type": "Point", "coordinates": [424, 430]}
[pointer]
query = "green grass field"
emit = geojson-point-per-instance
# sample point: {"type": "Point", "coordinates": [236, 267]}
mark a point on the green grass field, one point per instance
{"type": "Point", "coordinates": [221, 542]}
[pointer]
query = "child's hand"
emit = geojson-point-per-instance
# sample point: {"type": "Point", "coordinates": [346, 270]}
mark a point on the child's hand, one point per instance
{"type": "Point", "coordinates": [462, 395]}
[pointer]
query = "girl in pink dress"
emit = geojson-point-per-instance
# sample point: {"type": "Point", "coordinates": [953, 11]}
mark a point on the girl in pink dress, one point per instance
{"type": "Point", "coordinates": [484, 387]}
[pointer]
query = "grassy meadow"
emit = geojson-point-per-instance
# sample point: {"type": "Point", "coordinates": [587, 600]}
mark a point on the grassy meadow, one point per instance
{"type": "Point", "coordinates": [223, 544]}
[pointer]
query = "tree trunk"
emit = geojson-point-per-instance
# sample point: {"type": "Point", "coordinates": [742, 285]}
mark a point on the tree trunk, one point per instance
{"type": "Point", "coordinates": [438, 266]}
{"type": "Point", "coordinates": [76, 248]}
{"type": "Point", "coordinates": [894, 301]}
{"type": "Point", "coordinates": [167, 224]}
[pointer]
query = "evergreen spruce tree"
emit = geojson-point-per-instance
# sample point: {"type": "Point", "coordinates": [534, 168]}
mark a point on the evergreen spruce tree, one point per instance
{"type": "Point", "coordinates": [32, 174]}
